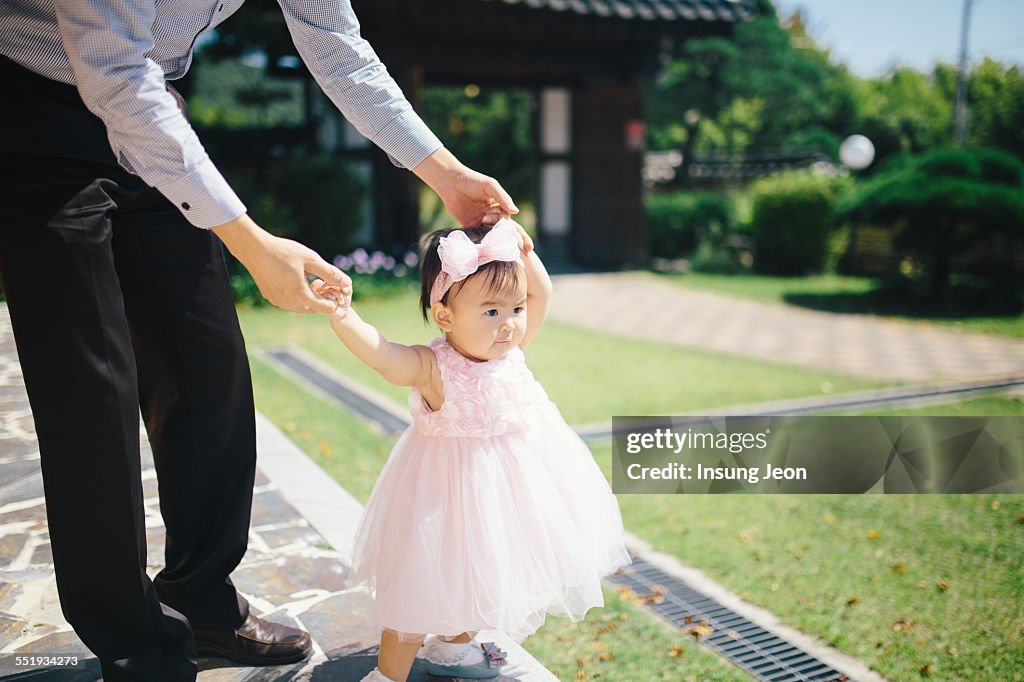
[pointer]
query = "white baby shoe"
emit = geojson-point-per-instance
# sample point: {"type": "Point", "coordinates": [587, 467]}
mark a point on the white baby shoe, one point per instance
{"type": "Point", "coordinates": [467, 660]}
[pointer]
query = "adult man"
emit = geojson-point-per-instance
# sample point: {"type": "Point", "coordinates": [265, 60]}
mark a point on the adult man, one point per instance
{"type": "Point", "coordinates": [119, 299]}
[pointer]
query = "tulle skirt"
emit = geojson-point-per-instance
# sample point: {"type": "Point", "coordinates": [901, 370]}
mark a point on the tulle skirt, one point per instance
{"type": "Point", "coordinates": [468, 534]}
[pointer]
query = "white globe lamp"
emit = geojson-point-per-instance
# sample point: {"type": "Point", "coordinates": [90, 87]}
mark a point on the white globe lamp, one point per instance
{"type": "Point", "coordinates": [856, 152]}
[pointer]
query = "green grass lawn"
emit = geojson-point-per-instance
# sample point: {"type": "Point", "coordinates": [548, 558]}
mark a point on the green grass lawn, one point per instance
{"type": "Point", "coordinates": [617, 375]}
{"type": "Point", "coordinates": [901, 582]}
{"type": "Point", "coordinates": [841, 294]}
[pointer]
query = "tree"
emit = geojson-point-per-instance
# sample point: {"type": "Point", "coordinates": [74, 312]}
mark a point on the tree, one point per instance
{"type": "Point", "coordinates": [943, 202]}
{"type": "Point", "coordinates": [905, 112]}
{"type": "Point", "coordinates": [996, 99]}
{"type": "Point", "coordinates": [767, 86]}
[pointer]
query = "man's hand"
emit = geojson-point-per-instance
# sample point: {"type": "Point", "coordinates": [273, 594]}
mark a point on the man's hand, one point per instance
{"type": "Point", "coordinates": [280, 267]}
{"type": "Point", "coordinates": [471, 197]}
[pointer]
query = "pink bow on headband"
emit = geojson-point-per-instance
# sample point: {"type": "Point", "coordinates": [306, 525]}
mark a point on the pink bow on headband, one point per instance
{"type": "Point", "coordinates": [460, 257]}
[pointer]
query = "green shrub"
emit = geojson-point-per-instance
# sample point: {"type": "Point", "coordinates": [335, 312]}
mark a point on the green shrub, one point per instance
{"type": "Point", "coordinates": [999, 168]}
{"type": "Point", "coordinates": [944, 203]}
{"type": "Point", "coordinates": [312, 198]}
{"type": "Point", "coordinates": [678, 221]}
{"type": "Point", "coordinates": [791, 221]}
{"type": "Point", "coordinates": [325, 199]}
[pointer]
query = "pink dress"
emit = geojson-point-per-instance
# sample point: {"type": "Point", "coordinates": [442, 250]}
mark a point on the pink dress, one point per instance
{"type": "Point", "coordinates": [490, 513]}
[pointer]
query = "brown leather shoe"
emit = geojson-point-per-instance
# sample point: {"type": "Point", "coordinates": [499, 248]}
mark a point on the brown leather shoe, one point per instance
{"type": "Point", "coordinates": [255, 642]}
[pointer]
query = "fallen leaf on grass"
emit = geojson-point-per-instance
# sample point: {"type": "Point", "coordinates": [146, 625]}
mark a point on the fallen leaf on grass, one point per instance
{"type": "Point", "coordinates": [903, 625]}
{"type": "Point", "coordinates": [926, 670]}
{"type": "Point", "coordinates": [899, 567]}
{"type": "Point", "coordinates": [942, 585]}
{"type": "Point", "coordinates": [676, 651]}
{"type": "Point", "coordinates": [852, 600]}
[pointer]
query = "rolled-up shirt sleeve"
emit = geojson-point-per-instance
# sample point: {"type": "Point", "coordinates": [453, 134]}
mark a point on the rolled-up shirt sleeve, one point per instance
{"type": "Point", "coordinates": [326, 34]}
{"type": "Point", "coordinates": [106, 43]}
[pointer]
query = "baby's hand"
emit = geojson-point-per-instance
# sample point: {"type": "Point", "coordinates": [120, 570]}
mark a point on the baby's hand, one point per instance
{"type": "Point", "coordinates": [342, 303]}
{"type": "Point", "coordinates": [525, 243]}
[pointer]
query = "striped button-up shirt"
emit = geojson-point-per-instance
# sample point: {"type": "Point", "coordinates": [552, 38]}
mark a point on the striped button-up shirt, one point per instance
{"type": "Point", "coordinates": [119, 53]}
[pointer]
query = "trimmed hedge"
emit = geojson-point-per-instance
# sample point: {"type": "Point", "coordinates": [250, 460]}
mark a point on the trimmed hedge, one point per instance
{"type": "Point", "coordinates": [792, 220]}
{"type": "Point", "coordinates": [678, 221]}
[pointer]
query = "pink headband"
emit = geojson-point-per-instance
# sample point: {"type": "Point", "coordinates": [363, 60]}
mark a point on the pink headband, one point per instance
{"type": "Point", "coordinates": [460, 257]}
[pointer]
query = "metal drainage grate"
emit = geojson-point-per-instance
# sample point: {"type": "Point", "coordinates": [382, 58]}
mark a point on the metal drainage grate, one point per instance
{"type": "Point", "coordinates": [761, 653]}
{"type": "Point", "coordinates": [391, 424]}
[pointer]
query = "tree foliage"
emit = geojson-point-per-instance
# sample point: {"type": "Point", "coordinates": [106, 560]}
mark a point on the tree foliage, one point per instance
{"type": "Point", "coordinates": [772, 86]}
{"type": "Point", "coordinates": [943, 202]}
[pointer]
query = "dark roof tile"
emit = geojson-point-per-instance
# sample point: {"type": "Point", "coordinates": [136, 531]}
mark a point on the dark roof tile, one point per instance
{"type": "Point", "coordinates": [652, 10]}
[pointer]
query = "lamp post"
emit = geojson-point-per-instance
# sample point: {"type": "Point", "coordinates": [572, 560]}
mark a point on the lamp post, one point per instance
{"type": "Point", "coordinates": [961, 77]}
{"type": "Point", "coordinates": [856, 152]}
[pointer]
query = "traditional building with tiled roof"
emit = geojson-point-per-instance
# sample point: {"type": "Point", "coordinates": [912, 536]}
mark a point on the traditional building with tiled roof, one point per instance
{"type": "Point", "coordinates": [586, 60]}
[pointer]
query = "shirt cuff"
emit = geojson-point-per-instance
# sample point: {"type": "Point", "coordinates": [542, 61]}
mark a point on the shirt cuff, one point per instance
{"type": "Point", "coordinates": [407, 140]}
{"type": "Point", "coordinates": [204, 197]}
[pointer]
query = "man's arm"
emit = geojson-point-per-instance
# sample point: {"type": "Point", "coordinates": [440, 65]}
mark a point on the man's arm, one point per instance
{"type": "Point", "coordinates": [106, 43]}
{"type": "Point", "coordinates": [280, 266]}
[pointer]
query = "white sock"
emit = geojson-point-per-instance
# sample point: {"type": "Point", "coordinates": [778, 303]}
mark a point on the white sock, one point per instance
{"type": "Point", "coordinates": [377, 676]}
{"type": "Point", "coordinates": [453, 653]}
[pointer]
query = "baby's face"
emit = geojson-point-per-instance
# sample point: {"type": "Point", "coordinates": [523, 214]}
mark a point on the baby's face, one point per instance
{"type": "Point", "coordinates": [485, 325]}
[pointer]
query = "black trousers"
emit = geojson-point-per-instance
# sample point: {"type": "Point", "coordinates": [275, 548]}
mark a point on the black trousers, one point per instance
{"type": "Point", "coordinates": [118, 303]}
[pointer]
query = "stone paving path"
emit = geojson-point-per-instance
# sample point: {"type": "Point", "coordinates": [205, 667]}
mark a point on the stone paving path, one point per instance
{"type": "Point", "coordinates": [291, 573]}
{"type": "Point", "coordinates": [636, 304]}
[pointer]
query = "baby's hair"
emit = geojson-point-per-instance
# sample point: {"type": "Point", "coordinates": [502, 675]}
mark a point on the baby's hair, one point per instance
{"type": "Point", "coordinates": [504, 278]}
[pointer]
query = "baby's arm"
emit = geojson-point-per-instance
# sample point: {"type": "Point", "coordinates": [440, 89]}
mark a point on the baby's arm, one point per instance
{"type": "Point", "coordinates": [401, 365]}
{"type": "Point", "coordinates": [538, 295]}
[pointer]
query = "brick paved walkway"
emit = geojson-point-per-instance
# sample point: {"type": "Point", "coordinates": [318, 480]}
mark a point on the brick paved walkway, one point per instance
{"type": "Point", "coordinates": [638, 305]}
